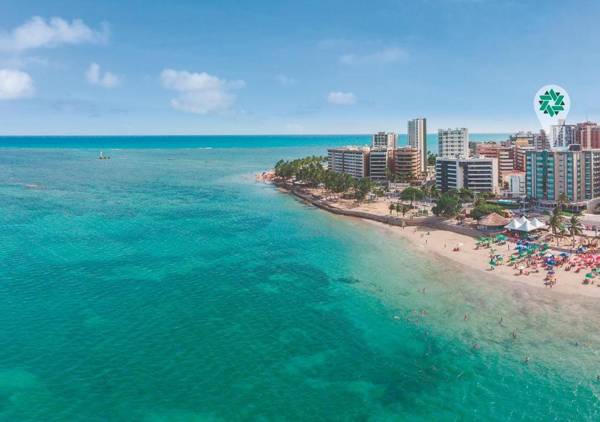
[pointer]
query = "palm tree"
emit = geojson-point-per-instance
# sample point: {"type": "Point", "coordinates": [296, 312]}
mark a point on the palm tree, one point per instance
{"type": "Point", "coordinates": [555, 222]}
{"type": "Point", "coordinates": [563, 199]}
{"type": "Point", "coordinates": [392, 207]}
{"type": "Point", "coordinates": [576, 228]}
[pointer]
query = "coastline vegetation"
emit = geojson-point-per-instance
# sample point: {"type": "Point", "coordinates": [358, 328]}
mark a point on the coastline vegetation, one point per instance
{"type": "Point", "coordinates": [310, 171]}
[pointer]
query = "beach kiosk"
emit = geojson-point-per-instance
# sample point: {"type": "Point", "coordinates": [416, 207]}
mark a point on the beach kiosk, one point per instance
{"type": "Point", "coordinates": [493, 222]}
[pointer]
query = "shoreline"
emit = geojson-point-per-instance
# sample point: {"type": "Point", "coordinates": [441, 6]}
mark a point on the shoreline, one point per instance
{"type": "Point", "coordinates": [431, 236]}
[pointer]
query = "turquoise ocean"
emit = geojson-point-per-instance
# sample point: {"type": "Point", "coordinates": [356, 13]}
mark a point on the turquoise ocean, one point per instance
{"type": "Point", "coordinates": [165, 284]}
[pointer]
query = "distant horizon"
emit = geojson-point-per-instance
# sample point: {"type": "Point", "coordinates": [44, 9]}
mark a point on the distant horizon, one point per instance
{"type": "Point", "coordinates": [237, 135]}
{"type": "Point", "coordinates": [297, 68]}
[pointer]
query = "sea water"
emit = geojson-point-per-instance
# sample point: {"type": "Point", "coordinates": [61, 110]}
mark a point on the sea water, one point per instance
{"type": "Point", "coordinates": [166, 284]}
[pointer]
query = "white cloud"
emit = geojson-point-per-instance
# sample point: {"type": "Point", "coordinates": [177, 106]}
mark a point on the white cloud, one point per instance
{"type": "Point", "coordinates": [95, 76]}
{"type": "Point", "coordinates": [341, 98]}
{"type": "Point", "coordinates": [386, 55]}
{"type": "Point", "coordinates": [15, 84]}
{"type": "Point", "coordinates": [285, 80]}
{"type": "Point", "coordinates": [38, 33]}
{"type": "Point", "coordinates": [200, 93]}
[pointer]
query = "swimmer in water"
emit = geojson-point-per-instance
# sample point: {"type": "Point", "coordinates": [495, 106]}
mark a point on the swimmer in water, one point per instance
{"type": "Point", "coordinates": [514, 333]}
{"type": "Point", "coordinates": [466, 317]}
{"type": "Point", "coordinates": [500, 322]}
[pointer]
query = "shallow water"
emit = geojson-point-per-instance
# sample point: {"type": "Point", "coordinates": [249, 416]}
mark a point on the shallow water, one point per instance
{"type": "Point", "coordinates": [165, 284]}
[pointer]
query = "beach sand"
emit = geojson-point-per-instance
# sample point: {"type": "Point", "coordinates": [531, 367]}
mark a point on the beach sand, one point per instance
{"type": "Point", "coordinates": [442, 243]}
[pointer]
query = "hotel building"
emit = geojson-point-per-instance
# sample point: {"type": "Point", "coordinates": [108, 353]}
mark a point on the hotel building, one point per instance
{"type": "Point", "coordinates": [350, 160]}
{"type": "Point", "coordinates": [562, 134]}
{"type": "Point", "coordinates": [476, 174]}
{"type": "Point", "coordinates": [407, 163]}
{"type": "Point", "coordinates": [417, 139]}
{"type": "Point", "coordinates": [383, 140]}
{"type": "Point", "coordinates": [504, 154]}
{"type": "Point", "coordinates": [552, 173]}
{"type": "Point", "coordinates": [587, 135]}
{"type": "Point", "coordinates": [453, 143]}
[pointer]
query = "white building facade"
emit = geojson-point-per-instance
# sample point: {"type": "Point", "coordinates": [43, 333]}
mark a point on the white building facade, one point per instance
{"type": "Point", "coordinates": [417, 139]}
{"type": "Point", "coordinates": [453, 143]}
{"type": "Point", "coordinates": [476, 174]}
{"type": "Point", "coordinates": [350, 160]}
{"type": "Point", "coordinates": [383, 140]}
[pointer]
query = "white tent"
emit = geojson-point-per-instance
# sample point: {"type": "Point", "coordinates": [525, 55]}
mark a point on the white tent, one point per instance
{"type": "Point", "coordinates": [527, 227]}
{"type": "Point", "coordinates": [513, 225]}
{"type": "Point", "coordinates": [538, 224]}
{"type": "Point", "coordinates": [524, 225]}
{"type": "Point", "coordinates": [522, 219]}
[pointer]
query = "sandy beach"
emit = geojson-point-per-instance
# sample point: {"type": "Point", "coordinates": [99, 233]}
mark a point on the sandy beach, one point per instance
{"type": "Point", "coordinates": [441, 243]}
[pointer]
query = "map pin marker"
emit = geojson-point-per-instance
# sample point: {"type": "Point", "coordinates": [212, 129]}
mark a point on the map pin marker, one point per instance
{"type": "Point", "coordinates": [551, 104]}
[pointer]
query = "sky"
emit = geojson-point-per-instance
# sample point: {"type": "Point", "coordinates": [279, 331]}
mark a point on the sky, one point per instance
{"type": "Point", "coordinates": [290, 67]}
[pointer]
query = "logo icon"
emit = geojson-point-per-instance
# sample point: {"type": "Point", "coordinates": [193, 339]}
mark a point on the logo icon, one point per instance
{"type": "Point", "coordinates": [552, 102]}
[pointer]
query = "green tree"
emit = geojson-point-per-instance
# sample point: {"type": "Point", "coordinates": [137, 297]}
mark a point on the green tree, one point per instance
{"type": "Point", "coordinates": [575, 227]}
{"type": "Point", "coordinates": [402, 208]}
{"type": "Point", "coordinates": [412, 194]}
{"type": "Point", "coordinates": [362, 188]}
{"type": "Point", "coordinates": [447, 205]}
{"type": "Point", "coordinates": [465, 195]}
{"type": "Point", "coordinates": [563, 200]}
{"type": "Point", "coordinates": [484, 208]}
{"type": "Point", "coordinates": [555, 223]}
{"type": "Point", "coordinates": [392, 208]}
{"type": "Point", "coordinates": [431, 157]}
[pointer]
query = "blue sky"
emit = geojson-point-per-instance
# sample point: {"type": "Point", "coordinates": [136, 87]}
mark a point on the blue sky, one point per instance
{"type": "Point", "coordinates": [240, 67]}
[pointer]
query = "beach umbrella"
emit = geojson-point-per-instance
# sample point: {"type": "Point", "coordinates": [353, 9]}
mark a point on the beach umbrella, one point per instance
{"type": "Point", "coordinates": [589, 275]}
{"type": "Point", "coordinates": [564, 254]}
{"type": "Point", "coordinates": [521, 267]}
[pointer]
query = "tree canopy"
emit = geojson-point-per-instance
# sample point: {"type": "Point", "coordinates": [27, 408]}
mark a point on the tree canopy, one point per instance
{"type": "Point", "coordinates": [447, 205]}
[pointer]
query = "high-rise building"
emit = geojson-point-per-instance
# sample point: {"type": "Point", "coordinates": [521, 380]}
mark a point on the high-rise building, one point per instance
{"type": "Point", "coordinates": [383, 140]}
{"type": "Point", "coordinates": [453, 143]}
{"type": "Point", "coordinates": [541, 141]}
{"type": "Point", "coordinates": [476, 174]}
{"type": "Point", "coordinates": [378, 164]}
{"type": "Point", "coordinates": [350, 160]}
{"type": "Point", "coordinates": [587, 134]}
{"type": "Point", "coordinates": [562, 135]}
{"type": "Point", "coordinates": [407, 164]}
{"type": "Point", "coordinates": [520, 156]}
{"type": "Point", "coordinates": [523, 139]}
{"type": "Point", "coordinates": [504, 154]}
{"type": "Point", "coordinates": [549, 174]}
{"type": "Point", "coordinates": [517, 185]}
{"type": "Point", "coordinates": [417, 139]}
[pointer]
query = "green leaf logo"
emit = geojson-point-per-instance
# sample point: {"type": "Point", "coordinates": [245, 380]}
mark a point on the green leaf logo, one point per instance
{"type": "Point", "coordinates": [552, 102]}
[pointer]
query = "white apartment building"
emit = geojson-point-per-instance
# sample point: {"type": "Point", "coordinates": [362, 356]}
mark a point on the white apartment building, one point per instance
{"type": "Point", "coordinates": [383, 140]}
{"type": "Point", "coordinates": [453, 143]}
{"type": "Point", "coordinates": [476, 174]}
{"type": "Point", "coordinates": [417, 139]}
{"type": "Point", "coordinates": [350, 160]}
{"type": "Point", "coordinates": [516, 185]}
{"type": "Point", "coordinates": [562, 135]}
